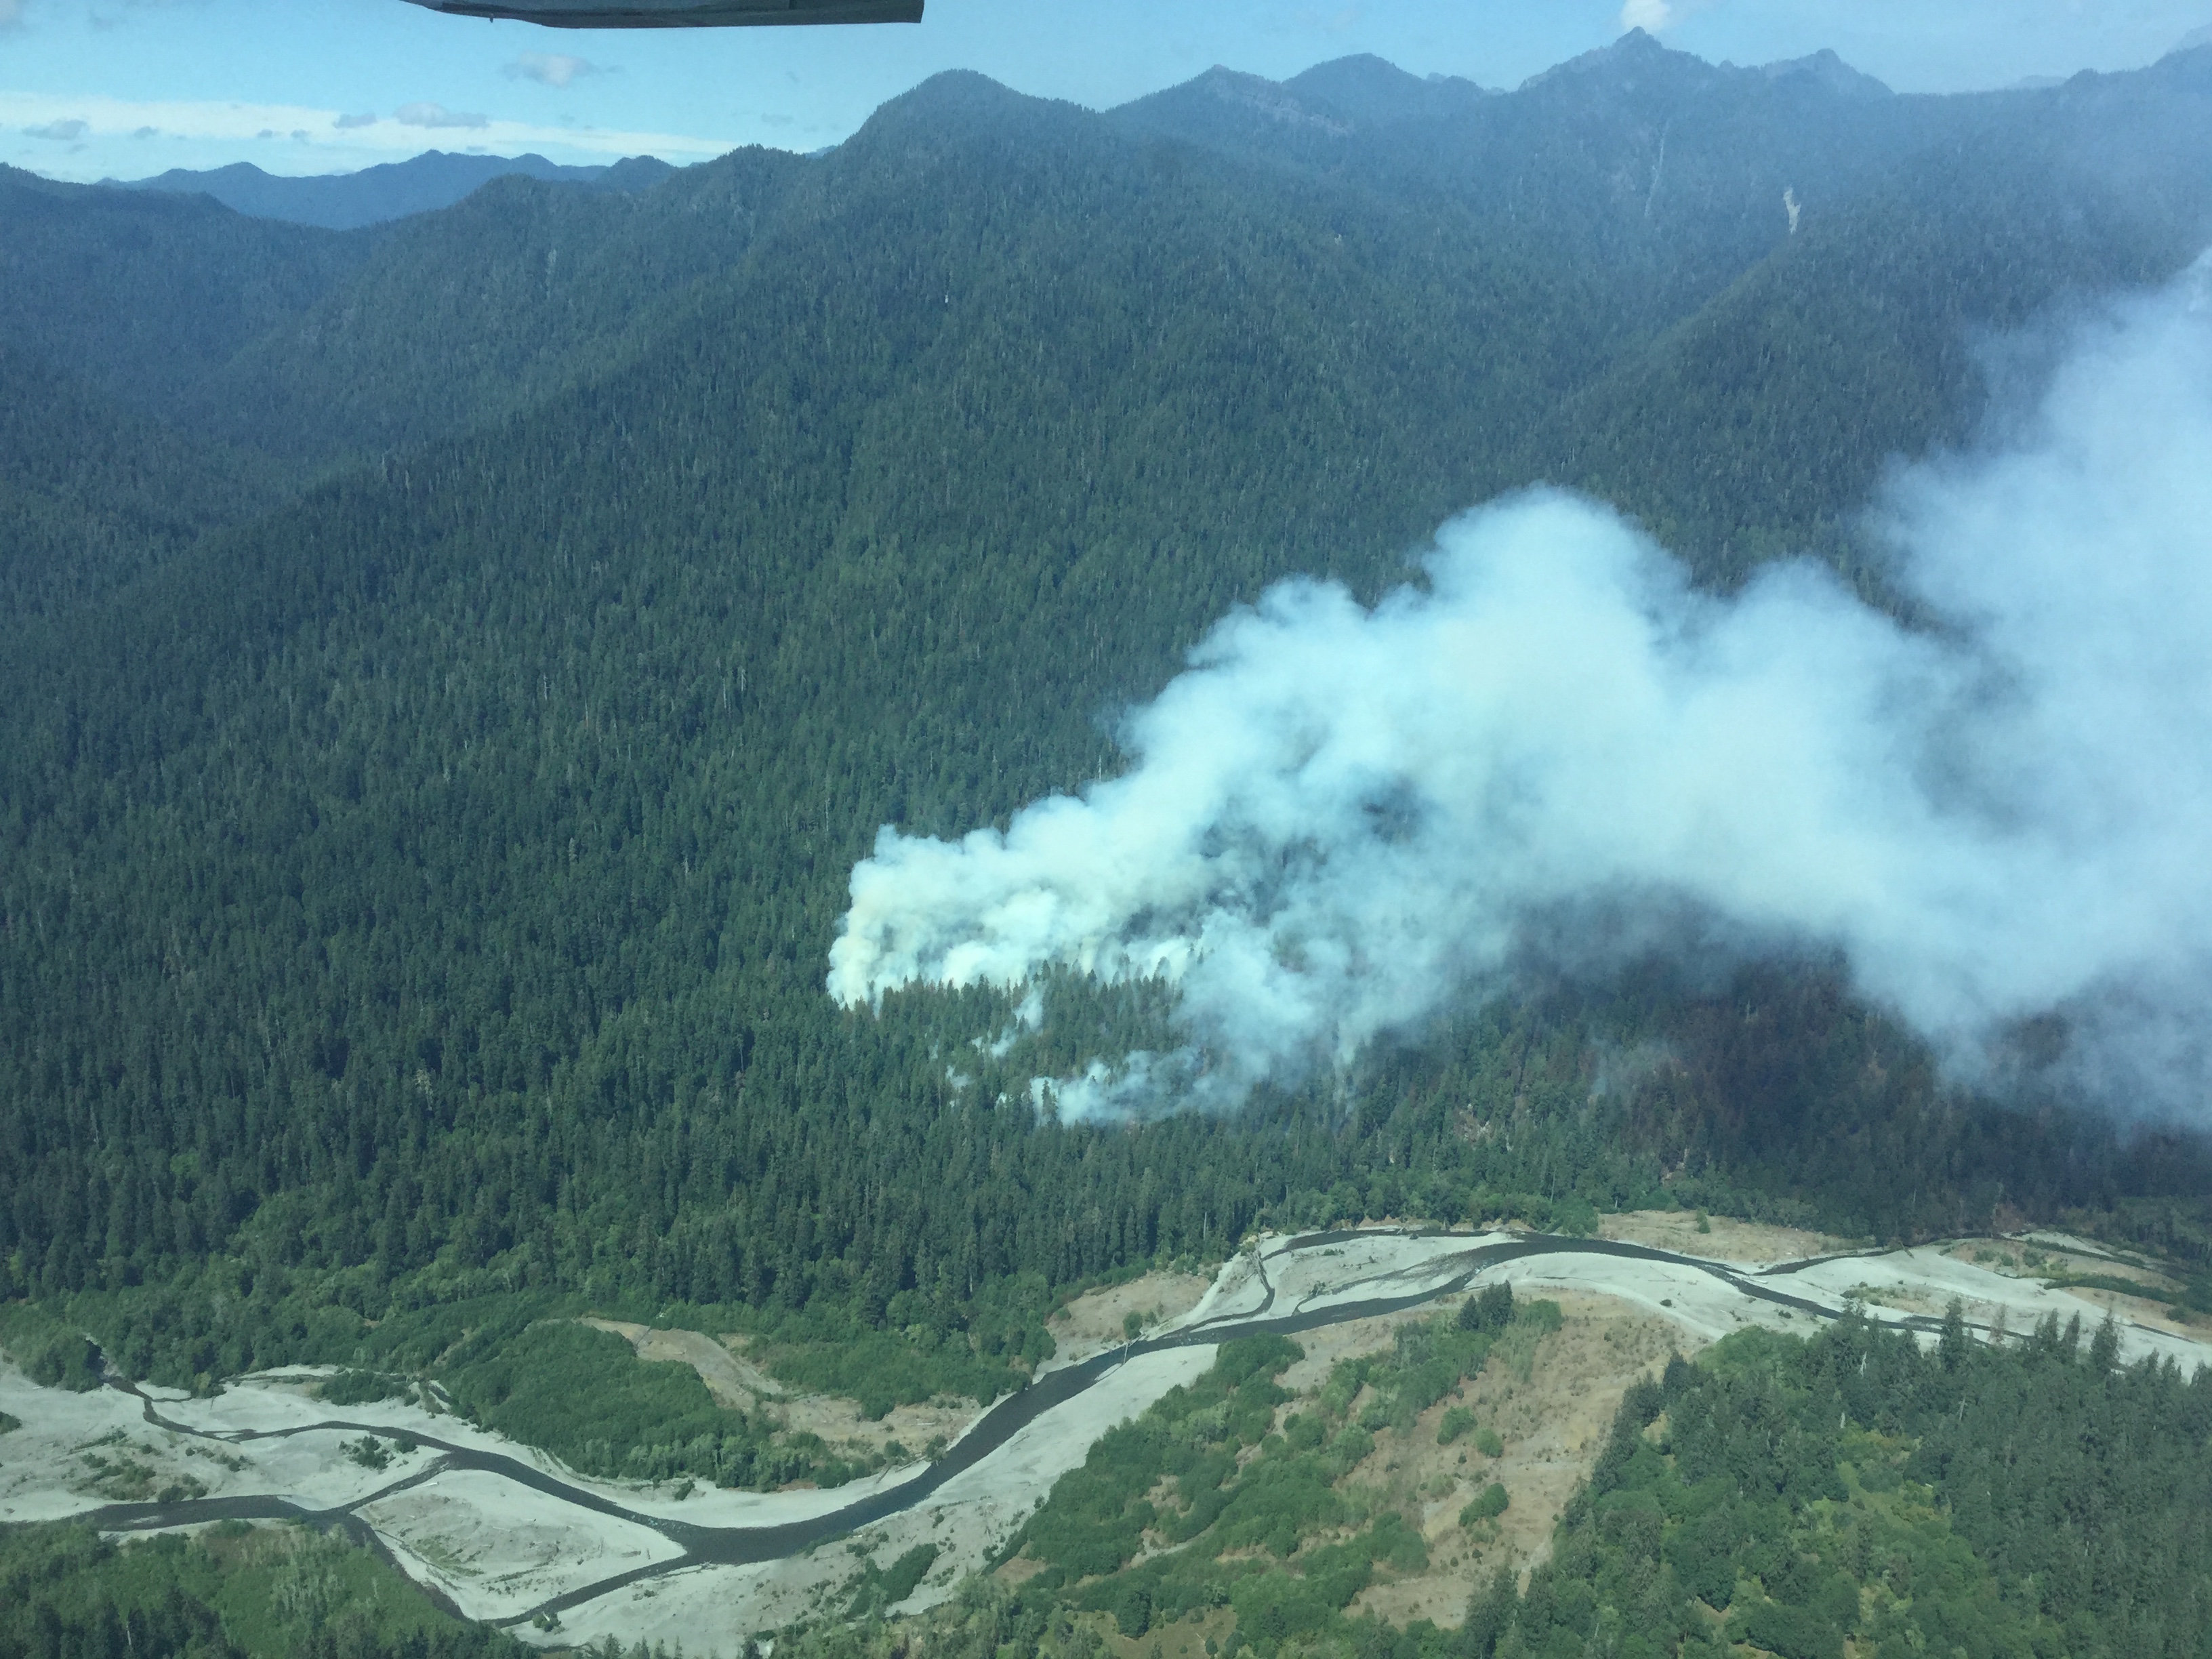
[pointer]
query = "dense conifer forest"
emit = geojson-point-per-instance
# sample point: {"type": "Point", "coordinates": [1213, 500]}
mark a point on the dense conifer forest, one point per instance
{"type": "Point", "coordinates": [449, 670]}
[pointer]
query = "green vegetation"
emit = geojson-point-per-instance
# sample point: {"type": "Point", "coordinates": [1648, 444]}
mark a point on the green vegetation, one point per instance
{"type": "Point", "coordinates": [1490, 1310]}
{"type": "Point", "coordinates": [2035, 1499]}
{"type": "Point", "coordinates": [1515, 1347]}
{"type": "Point", "coordinates": [354, 1386]}
{"type": "Point", "coordinates": [51, 1349]}
{"type": "Point", "coordinates": [1247, 1506]}
{"type": "Point", "coordinates": [368, 1452]}
{"type": "Point", "coordinates": [584, 1395]}
{"type": "Point", "coordinates": [511, 1364]}
{"type": "Point", "coordinates": [2181, 1300]}
{"type": "Point", "coordinates": [114, 1467]}
{"type": "Point", "coordinates": [236, 1592]}
{"type": "Point", "coordinates": [1486, 1505]}
{"type": "Point", "coordinates": [882, 1588]}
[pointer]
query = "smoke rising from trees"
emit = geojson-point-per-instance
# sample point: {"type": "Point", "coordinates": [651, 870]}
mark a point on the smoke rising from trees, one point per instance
{"type": "Point", "coordinates": [1339, 819]}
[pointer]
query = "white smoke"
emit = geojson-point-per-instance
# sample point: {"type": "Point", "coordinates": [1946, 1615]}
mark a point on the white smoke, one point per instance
{"type": "Point", "coordinates": [1339, 819]}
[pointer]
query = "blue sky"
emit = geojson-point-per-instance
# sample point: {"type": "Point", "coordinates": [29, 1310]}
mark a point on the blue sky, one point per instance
{"type": "Point", "coordinates": [127, 88]}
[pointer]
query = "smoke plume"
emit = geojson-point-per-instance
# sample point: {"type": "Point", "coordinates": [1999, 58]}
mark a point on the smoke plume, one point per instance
{"type": "Point", "coordinates": [1338, 819]}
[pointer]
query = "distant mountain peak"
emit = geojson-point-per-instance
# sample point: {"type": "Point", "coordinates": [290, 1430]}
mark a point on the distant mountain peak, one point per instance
{"type": "Point", "coordinates": [958, 95]}
{"type": "Point", "coordinates": [961, 82]}
{"type": "Point", "coordinates": [966, 90]}
{"type": "Point", "coordinates": [1274, 100]}
{"type": "Point", "coordinates": [1631, 59]}
{"type": "Point", "coordinates": [1829, 72]}
{"type": "Point", "coordinates": [1637, 56]}
{"type": "Point", "coordinates": [1375, 92]}
{"type": "Point", "coordinates": [1363, 63]}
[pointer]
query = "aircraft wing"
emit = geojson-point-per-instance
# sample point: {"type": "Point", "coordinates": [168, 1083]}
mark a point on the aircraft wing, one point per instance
{"type": "Point", "coordinates": [682, 13]}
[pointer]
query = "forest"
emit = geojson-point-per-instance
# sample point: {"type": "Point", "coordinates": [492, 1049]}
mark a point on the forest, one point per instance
{"type": "Point", "coordinates": [450, 669]}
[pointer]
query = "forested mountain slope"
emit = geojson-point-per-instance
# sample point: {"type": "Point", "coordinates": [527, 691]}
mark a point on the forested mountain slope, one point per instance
{"type": "Point", "coordinates": [423, 889]}
{"type": "Point", "coordinates": [143, 295]}
{"type": "Point", "coordinates": [93, 493]}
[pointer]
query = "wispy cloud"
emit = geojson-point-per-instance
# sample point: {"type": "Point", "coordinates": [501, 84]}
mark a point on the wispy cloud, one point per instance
{"type": "Point", "coordinates": [437, 115]}
{"type": "Point", "coordinates": [552, 68]}
{"type": "Point", "coordinates": [1654, 16]}
{"type": "Point", "coordinates": [11, 13]}
{"type": "Point", "coordinates": [342, 135]}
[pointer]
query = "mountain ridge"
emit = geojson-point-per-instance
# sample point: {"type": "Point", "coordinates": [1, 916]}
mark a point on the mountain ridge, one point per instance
{"type": "Point", "coordinates": [390, 190]}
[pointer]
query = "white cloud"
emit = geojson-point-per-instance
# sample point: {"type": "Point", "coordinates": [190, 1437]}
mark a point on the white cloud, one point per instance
{"type": "Point", "coordinates": [552, 68]}
{"type": "Point", "coordinates": [11, 13]}
{"type": "Point", "coordinates": [426, 115]}
{"type": "Point", "coordinates": [63, 131]}
{"type": "Point", "coordinates": [1656, 16]}
{"type": "Point", "coordinates": [354, 122]}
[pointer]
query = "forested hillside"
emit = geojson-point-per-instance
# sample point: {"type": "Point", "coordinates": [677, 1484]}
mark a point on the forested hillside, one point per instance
{"type": "Point", "coordinates": [452, 668]}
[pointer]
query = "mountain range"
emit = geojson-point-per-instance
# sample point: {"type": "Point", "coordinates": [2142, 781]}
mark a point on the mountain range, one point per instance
{"type": "Point", "coordinates": [392, 190]}
{"type": "Point", "coordinates": [452, 666]}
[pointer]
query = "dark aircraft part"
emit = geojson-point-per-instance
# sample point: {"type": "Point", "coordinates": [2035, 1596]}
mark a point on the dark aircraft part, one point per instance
{"type": "Point", "coordinates": [682, 13]}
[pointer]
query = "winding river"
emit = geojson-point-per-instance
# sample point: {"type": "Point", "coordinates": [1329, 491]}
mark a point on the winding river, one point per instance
{"type": "Point", "coordinates": [704, 1545]}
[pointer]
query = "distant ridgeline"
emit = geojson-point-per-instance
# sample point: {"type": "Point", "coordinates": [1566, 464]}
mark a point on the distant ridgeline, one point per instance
{"type": "Point", "coordinates": [448, 671]}
{"type": "Point", "coordinates": [423, 184]}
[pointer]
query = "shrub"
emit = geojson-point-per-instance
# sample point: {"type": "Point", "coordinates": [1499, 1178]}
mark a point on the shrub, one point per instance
{"type": "Point", "coordinates": [359, 1387]}
{"type": "Point", "coordinates": [369, 1452]}
{"type": "Point", "coordinates": [1486, 1505]}
{"type": "Point", "coordinates": [53, 1353]}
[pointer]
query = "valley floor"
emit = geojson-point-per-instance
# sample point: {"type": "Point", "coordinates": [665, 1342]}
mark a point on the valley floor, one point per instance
{"type": "Point", "coordinates": [506, 1534]}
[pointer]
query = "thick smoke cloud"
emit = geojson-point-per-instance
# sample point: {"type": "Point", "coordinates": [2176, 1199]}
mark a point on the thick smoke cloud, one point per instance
{"type": "Point", "coordinates": [1339, 819]}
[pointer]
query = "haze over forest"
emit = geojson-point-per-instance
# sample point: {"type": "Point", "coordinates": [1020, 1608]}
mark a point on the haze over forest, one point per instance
{"type": "Point", "coordinates": [457, 673]}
